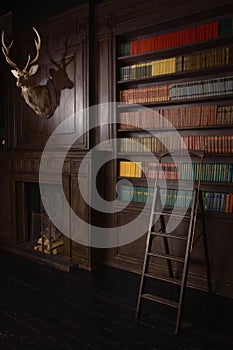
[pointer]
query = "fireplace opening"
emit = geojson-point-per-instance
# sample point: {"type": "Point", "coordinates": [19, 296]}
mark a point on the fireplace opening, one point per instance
{"type": "Point", "coordinates": [34, 226]}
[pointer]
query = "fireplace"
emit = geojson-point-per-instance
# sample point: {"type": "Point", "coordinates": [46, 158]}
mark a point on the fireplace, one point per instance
{"type": "Point", "coordinates": [45, 237]}
{"type": "Point", "coordinates": [33, 224]}
{"type": "Point", "coordinates": [37, 236]}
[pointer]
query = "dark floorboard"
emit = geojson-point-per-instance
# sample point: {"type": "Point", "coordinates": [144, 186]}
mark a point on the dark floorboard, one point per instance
{"type": "Point", "coordinates": [45, 309]}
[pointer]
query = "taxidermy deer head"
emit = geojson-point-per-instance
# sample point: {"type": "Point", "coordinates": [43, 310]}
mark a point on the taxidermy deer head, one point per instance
{"type": "Point", "coordinates": [38, 97]}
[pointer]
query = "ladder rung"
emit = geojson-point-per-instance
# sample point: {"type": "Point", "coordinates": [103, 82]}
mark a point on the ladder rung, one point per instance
{"type": "Point", "coordinates": [164, 279]}
{"type": "Point", "coordinates": [166, 256]}
{"type": "Point", "coordinates": [167, 235]}
{"type": "Point", "coordinates": [172, 215]}
{"type": "Point", "coordinates": [160, 300]}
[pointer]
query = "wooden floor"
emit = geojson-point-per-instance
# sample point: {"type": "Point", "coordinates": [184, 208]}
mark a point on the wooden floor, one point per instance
{"type": "Point", "coordinates": [43, 308]}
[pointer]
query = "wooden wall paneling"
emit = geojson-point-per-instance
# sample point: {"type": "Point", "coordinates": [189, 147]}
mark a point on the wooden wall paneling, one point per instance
{"type": "Point", "coordinates": [129, 256]}
{"type": "Point", "coordinates": [105, 74]}
{"type": "Point", "coordinates": [7, 199]}
{"type": "Point", "coordinates": [64, 60]}
{"type": "Point", "coordinates": [135, 16]}
{"type": "Point", "coordinates": [219, 235]}
{"type": "Point", "coordinates": [87, 256]}
{"type": "Point", "coordinates": [81, 252]}
{"type": "Point", "coordinates": [6, 207]}
{"type": "Point", "coordinates": [22, 234]}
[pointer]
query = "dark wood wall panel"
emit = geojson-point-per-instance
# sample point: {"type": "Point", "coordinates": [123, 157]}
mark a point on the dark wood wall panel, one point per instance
{"type": "Point", "coordinates": [64, 60]}
{"type": "Point", "coordinates": [104, 87]}
{"type": "Point", "coordinates": [83, 212]}
{"type": "Point", "coordinates": [6, 207]}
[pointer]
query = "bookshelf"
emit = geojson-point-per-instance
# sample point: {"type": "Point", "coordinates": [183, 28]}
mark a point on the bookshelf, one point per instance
{"type": "Point", "coordinates": [175, 90]}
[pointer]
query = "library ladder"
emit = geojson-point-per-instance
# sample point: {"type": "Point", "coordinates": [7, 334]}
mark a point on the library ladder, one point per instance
{"type": "Point", "coordinates": [189, 239]}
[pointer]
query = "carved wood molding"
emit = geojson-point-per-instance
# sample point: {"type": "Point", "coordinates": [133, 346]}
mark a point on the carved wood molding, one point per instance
{"type": "Point", "coordinates": [134, 15]}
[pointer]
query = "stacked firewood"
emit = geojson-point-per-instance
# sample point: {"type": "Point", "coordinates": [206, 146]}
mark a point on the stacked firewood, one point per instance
{"type": "Point", "coordinates": [50, 242]}
{"type": "Point", "coordinates": [45, 246]}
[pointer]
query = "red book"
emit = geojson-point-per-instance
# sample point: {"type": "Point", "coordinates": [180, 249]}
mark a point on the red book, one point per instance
{"type": "Point", "coordinates": [208, 31]}
{"type": "Point", "coordinates": [148, 44]}
{"type": "Point", "coordinates": [215, 27]}
{"type": "Point", "coordinates": [159, 42]}
{"type": "Point", "coordinates": [132, 47]}
{"type": "Point", "coordinates": [231, 203]}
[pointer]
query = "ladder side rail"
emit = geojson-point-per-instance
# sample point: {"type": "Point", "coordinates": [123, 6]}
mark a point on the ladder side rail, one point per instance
{"type": "Point", "coordinates": [148, 242]}
{"type": "Point", "coordinates": [206, 253]}
{"type": "Point", "coordinates": [200, 174]}
{"type": "Point", "coordinates": [186, 262]}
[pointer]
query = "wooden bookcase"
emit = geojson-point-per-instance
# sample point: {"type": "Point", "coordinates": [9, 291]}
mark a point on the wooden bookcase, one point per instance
{"type": "Point", "coordinates": [212, 124]}
{"type": "Point", "coordinates": [184, 80]}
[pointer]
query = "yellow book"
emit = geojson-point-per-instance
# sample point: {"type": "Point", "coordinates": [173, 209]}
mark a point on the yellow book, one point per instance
{"type": "Point", "coordinates": [132, 166]}
{"type": "Point", "coordinates": [227, 203]}
{"type": "Point", "coordinates": [138, 169]}
{"type": "Point", "coordinates": [123, 168]}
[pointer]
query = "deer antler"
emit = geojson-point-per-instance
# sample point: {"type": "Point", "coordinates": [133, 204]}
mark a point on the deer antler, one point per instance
{"type": "Point", "coordinates": [6, 51]}
{"type": "Point", "coordinates": [38, 45]}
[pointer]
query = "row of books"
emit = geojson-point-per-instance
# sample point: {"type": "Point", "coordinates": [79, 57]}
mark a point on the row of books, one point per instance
{"type": "Point", "coordinates": [213, 201]}
{"type": "Point", "coordinates": [136, 194]}
{"type": "Point", "coordinates": [150, 69]}
{"type": "Point", "coordinates": [218, 202]}
{"type": "Point", "coordinates": [206, 59]}
{"type": "Point", "coordinates": [208, 87]}
{"type": "Point", "coordinates": [176, 117]}
{"type": "Point", "coordinates": [211, 172]}
{"type": "Point", "coordinates": [192, 89]}
{"type": "Point", "coordinates": [224, 115]}
{"type": "Point", "coordinates": [145, 95]}
{"type": "Point", "coordinates": [209, 144]}
{"type": "Point", "coordinates": [182, 37]}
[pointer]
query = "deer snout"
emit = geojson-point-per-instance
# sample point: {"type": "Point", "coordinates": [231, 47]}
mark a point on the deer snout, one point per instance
{"type": "Point", "coordinates": [18, 83]}
{"type": "Point", "coordinates": [23, 79]}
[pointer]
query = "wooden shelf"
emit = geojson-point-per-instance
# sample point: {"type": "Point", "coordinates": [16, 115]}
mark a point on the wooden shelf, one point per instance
{"type": "Point", "coordinates": [189, 130]}
{"type": "Point", "coordinates": [182, 184]}
{"type": "Point", "coordinates": [137, 207]}
{"type": "Point", "coordinates": [142, 155]}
